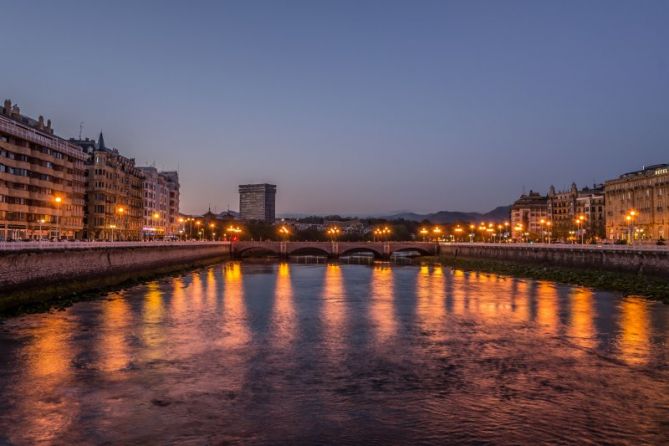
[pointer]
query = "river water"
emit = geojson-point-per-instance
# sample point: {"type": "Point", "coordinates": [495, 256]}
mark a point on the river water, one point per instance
{"type": "Point", "coordinates": [338, 354]}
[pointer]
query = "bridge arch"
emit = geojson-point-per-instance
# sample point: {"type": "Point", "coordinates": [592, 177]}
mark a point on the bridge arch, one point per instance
{"type": "Point", "coordinates": [250, 250]}
{"type": "Point", "coordinates": [349, 251]}
{"type": "Point", "coordinates": [309, 250]}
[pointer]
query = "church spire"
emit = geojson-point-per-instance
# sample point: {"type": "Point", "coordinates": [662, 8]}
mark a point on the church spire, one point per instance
{"type": "Point", "coordinates": [101, 142]}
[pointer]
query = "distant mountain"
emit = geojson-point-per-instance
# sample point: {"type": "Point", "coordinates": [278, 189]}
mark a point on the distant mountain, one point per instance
{"type": "Point", "coordinates": [498, 214]}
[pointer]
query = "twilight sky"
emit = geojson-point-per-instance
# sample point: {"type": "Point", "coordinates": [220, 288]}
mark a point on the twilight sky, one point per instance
{"type": "Point", "coordinates": [352, 107]}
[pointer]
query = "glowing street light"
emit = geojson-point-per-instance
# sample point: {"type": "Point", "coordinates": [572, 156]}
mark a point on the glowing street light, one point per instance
{"type": "Point", "coordinates": [424, 232]}
{"type": "Point", "coordinates": [58, 200]}
{"type": "Point", "coordinates": [284, 232]}
{"type": "Point", "coordinates": [333, 232]}
{"type": "Point", "coordinates": [631, 215]}
{"type": "Point", "coordinates": [579, 222]}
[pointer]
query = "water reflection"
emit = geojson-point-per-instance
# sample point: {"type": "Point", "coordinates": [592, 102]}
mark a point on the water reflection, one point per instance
{"type": "Point", "coordinates": [547, 301]}
{"type": "Point", "coordinates": [284, 308]}
{"type": "Point", "coordinates": [236, 331]}
{"type": "Point", "coordinates": [381, 302]}
{"type": "Point", "coordinates": [46, 371]}
{"type": "Point", "coordinates": [334, 303]}
{"type": "Point", "coordinates": [310, 354]}
{"type": "Point", "coordinates": [114, 349]}
{"type": "Point", "coordinates": [635, 333]}
{"type": "Point", "coordinates": [581, 325]}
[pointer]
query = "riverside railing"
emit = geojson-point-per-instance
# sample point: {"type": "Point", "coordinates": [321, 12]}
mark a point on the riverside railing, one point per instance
{"type": "Point", "coordinates": [48, 245]}
{"type": "Point", "coordinates": [566, 246]}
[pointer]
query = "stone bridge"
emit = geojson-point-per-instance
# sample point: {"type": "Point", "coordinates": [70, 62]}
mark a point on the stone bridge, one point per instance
{"type": "Point", "coordinates": [333, 249]}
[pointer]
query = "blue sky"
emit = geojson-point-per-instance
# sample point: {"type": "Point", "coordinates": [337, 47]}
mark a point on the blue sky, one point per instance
{"type": "Point", "coordinates": [353, 107]}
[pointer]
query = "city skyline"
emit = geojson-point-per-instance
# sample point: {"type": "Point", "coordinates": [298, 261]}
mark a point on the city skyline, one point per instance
{"type": "Point", "coordinates": [438, 106]}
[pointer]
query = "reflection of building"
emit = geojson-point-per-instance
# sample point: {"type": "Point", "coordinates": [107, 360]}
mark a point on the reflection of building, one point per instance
{"type": "Point", "coordinates": [526, 215]}
{"type": "Point", "coordinates": [647, 192]}
{"type": "Point", "coordinates": [565, 206]}
{"type": "Point", "coordinates": [161, 203]}
{"type": "Point", "coordinates": [257, 202]}
{"type": "Point", "coordinates": [114, 193]}
{"type": "Point", "coordinates": [41, 179]}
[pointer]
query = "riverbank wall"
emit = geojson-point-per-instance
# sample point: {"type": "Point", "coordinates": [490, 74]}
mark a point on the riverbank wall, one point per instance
{"type": "Point", "coordinates": [642, 261]}
{"type": "Point", "coordinates": [33, 275]}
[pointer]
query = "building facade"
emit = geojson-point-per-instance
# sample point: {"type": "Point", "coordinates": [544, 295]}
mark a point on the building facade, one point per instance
{"type": "Point", "coordinates": [643, 196]}
{"type": "Point", "coordinates": [564, 207]}
{"type": "Point", "coordinates": [114, 193]}
{"type": "Point", "coordinates": [529, 217]}
{"type": "Point", "coordinates": [161, 203]}
{"type": "Point", "coordinates": [257, 202]}
{"type": "Point", "coordinates": [591, 203]}
{"type": "Point", "coordinates": [172, 182]}
{"type": "Point", "coordinates": [41, 180]}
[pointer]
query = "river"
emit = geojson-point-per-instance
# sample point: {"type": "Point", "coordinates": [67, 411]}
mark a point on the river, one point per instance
{"type": "Point", "coordinates": [338, 354]}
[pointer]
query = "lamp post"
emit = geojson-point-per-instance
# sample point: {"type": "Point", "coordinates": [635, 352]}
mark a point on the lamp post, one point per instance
{"type": "Point", "coordinates": [41, 222]}
{"type": "Point", "coordinates": [57, 200]}
{"type": "Point", "coordinates": [542, 222]}
{"type": "Point", "coordinates": [472, 234]}
{"type": "Point", "coordinates": [424, 233]}
{"type": "Point", "coordinates": [284, 232]}
{"type": "Point", "coordinates": [120, 210]}
{"type": "Point", "coordinates": [183, 227]}
{"type": "Point", "coordinates": [579, 224]}
{"type": "Point", "coordinates": [197, 224]}
{"type": "Point", "coordinates": [458, 231]}
{"type": "Point", "coordinates": [112, 227]}
{"type": "Point", "coordinates": [437, 233]}
{"type": "Point", "coordinates": [212, 226]}
{"type": "Point", "coordinates": [550, 231]}
{"type": "Point", "coordinates": [234, 230]}
{"type": "Point", "coordinates": [333, 232]}
{"type": "Point", "coordinates": [630, 225]}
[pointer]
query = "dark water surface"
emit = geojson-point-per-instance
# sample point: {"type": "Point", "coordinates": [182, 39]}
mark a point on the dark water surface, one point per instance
{"type": "Point", "coordinates": [315, 354]}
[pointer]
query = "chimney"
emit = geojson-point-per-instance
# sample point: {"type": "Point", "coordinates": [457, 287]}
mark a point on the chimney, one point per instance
{"type": "Point", "coordinates": [48, 126]}
{"type": "Point", "coordinates": [7, 107]}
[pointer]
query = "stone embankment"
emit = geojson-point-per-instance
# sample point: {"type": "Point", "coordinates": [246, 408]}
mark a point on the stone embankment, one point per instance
{"type": "Point", "coordinates": [646, 260]}
{"type": "Point", "coordinates": [33, 272]}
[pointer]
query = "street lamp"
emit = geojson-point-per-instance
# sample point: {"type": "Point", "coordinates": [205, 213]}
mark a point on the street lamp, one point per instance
{"type": "Point", "coordinates": [458, 231]}
{"type": "Point", "coordinates": [424, 232]}
{"type": "Point", "coordinates": [183, 227]}
{"type": "Point", "coordinates": [120, 210]}
{"type": "Point", "coordinates": [112, 227]}
{"type": "Point", "coordinates": [579, 223]}
{"type": "Point", "coordinates": [284, 232]}
{"type": "Point", "coordinates": [41, 222]}
{"type": "Point", "coordinates": [631, 215]}
{"type": "Point", "coordinates": [437, 233]}
{"type": "Point", "coordinates": [211, 227]}
{"type": "Point", "coordinates": [333, 232]}
{"type": "Point", "coordinates": [233, 229]}
{"type": "Point", "coordinates": [472, 233]}
{"type": "Point", "coordinates": [58, 200]}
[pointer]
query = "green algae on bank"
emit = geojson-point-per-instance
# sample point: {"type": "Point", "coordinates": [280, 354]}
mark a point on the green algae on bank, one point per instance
{"type": "Point", "coordinates": [626, 283]}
